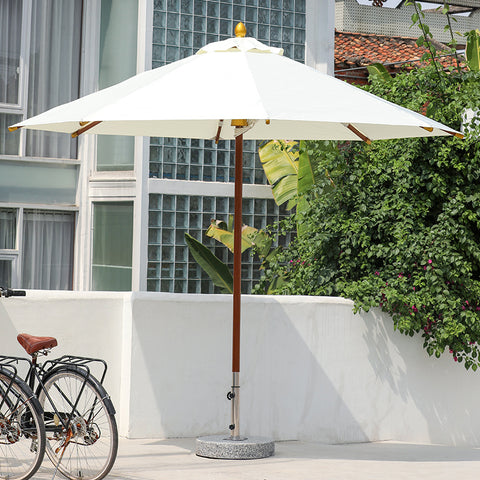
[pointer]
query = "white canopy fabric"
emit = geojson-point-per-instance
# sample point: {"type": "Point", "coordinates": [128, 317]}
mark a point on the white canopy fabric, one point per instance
{"type": "Point", "coordinates": [239, 78]}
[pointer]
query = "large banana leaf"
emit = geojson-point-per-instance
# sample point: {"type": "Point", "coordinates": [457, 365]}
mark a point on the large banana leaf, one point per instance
{"type": "Point", "coordinates": [219, 231]}
{"type": "Point", "coordinates": [472, 50]}
{"type": "Point", "coordinates": [285, 190]}
{"type": "Point", "coordinates": [213, 266]}
{"type": "Point", "coordinates": [280, 164]}
{"type": "Point", "coordinates": [278, 159]}
{"type": "Point", "coordinates": [289, 172]}
{"type": "Point", "coordinates": [306, 176]}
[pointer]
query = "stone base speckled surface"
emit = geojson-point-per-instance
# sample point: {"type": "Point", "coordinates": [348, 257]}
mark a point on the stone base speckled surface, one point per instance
{"type": "Point", "coordinates": [220, 446]}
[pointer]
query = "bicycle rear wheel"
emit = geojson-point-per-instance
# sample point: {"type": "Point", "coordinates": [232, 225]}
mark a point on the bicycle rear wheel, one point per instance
{"type": "Point", "coordinates": [82, 437]}
{"type": "Point", "coordinates": [22, 432]}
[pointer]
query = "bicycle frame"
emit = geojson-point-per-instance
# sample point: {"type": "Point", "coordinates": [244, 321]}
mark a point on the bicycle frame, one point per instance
{"type": "Point", "coordinates": [37, 372]}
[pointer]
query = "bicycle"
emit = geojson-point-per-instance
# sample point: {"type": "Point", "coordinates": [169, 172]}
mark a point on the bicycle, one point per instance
{"type": "Point", "coordinates": [58, 408]}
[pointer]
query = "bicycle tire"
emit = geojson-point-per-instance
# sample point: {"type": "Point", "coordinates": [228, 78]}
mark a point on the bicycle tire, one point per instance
{"type": "Point", "coordinates": [91, 450]}
{"type": "Point", "coordinates": [22, 431]}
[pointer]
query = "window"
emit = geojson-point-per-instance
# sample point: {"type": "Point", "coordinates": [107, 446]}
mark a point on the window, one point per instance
{"type": "Point", "coordinates": [10, 41]}
{"type": "Point", "coordinates": [7, 228]}
{"type": "Point", "coordinates": [117, 62]}
{"type": "Point", "coordinates": [112, 246]}
{"type": "Point", "coordinates": [170, 266]}
{"type": "Point", "coordinates": [7, 246]}
{"type": "Point", "coordinates": [43, 259]}
{"type": "Point", "coordinates": [5, 272]}
{"type": "Point", "coordinates": [43, 39]}
{"type": "Point", "coordinates": [47, 250]}
{"type": "Point", "coordinates": [40, 52]}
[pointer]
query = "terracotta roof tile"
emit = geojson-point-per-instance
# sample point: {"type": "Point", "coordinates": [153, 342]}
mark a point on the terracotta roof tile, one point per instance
{"type": "Point", "coordinates": [353, 50]}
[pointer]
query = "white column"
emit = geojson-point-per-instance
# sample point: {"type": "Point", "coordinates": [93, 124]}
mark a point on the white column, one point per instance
{"type": "Point", "coordinates": [86, 147]}
{"type": "Point", "coordinates": [320, 35]}
{"type": "Point", "coordinates": [142, 144]}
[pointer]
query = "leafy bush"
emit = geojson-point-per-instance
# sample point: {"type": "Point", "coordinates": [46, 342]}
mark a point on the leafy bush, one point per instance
{"type": "Point", "coordinates": [400, 229]}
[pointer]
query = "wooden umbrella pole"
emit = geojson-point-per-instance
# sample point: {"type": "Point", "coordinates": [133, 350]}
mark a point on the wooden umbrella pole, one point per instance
{"type": "Point", "coordinates": [237, 285]}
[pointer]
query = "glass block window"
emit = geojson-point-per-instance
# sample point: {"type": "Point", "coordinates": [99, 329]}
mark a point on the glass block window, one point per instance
{"type": "Point", "coordinates": [180, 28]}
{"type": "Point", "coordinates": [170, 266]}
{"type": "Point", "coordinates": [192, 159]}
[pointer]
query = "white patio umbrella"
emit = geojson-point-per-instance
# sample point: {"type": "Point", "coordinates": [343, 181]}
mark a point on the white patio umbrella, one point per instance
{"type": "Point", "coordinates": [234, 89]}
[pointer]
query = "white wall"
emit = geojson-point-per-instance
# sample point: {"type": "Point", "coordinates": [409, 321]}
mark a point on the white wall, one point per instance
{"type": "Point", "coordinates": [85, 324]}
{"type": "Point", "coordinates": [310, 368]}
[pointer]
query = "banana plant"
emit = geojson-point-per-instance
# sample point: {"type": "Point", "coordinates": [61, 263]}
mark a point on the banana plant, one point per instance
{"type": "Point", "coordinates": [217, 270]}
{"type": "Point", "coordinates": [291, 175]}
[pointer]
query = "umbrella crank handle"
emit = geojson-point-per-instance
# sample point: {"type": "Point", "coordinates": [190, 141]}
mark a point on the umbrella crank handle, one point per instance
{"type": "Point", "coordinates": [231, 393]}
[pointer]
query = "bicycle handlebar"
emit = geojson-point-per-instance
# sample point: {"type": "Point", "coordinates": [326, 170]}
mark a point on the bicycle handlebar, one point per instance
{"type": "Point", "coordinates": [8, 292]}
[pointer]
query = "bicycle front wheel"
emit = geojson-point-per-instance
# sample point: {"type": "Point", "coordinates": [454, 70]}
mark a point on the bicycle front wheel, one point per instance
{"type": "Point", "coordinates": [82, 437]}
{"type": "Point", "coordinates": [22, 432]}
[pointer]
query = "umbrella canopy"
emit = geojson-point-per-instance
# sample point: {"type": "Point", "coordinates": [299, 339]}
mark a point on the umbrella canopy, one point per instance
{"type": "Point", "coordinates": [238, 88]}
{"type": "Point", "coordinates": [238, 78]}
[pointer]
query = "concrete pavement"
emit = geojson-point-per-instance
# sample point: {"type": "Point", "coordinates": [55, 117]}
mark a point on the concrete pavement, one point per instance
{"type": "Point", "coordinates": [174, 459]}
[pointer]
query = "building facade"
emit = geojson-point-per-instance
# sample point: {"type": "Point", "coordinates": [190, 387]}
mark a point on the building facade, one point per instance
{"type": "Point", "coordinates": [106, 212]}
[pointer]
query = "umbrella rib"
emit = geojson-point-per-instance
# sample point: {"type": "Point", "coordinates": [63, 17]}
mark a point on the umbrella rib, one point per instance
{"type": "Point", "coordinates": [219, 129]}
{"type": "Point", "coordinates": [455, 134]}
{"type": "Point", "coordinates": [85, 128]}
{"type": "Point", "coordinates": [359, 134]}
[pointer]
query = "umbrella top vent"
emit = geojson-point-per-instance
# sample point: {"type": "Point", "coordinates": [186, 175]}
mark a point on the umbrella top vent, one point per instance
{"type": "Point", "coordinates": [240, 43]}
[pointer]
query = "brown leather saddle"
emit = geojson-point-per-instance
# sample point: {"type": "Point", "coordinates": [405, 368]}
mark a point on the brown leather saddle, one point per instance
{"type": "Point", "coordinates": [34, 344]}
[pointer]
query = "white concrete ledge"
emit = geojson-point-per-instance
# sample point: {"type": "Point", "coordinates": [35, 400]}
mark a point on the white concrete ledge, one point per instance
{"type": "Point", "coordinates": [311, 370]}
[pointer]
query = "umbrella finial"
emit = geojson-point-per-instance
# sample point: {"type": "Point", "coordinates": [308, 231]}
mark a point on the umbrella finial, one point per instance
{"type": "Point", "coordinates": [240, 30]}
